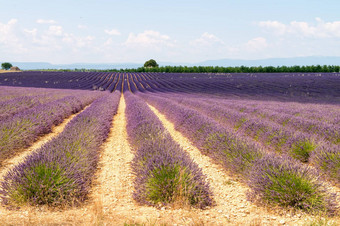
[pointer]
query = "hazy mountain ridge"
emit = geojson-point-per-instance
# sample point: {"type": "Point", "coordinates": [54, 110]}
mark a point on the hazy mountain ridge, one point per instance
{"type": "Point", "coordinates": [312, 60]}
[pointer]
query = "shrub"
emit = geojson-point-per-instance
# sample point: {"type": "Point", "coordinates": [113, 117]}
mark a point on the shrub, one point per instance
{"type": "Point", "coordinates": [327, 160]}
{"type": "Point", "coordinates": [302, 150]}
{"type": "Point", "coordinates": [166, 176]}
{"type": "Point", "coordinates": [286, 183]}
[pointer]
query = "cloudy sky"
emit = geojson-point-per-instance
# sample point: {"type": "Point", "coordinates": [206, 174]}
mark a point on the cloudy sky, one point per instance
{"type": "Point", "coordinates": [112, 31]}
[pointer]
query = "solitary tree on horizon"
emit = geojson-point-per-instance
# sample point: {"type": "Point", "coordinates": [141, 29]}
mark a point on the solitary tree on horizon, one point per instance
{"type": "Point", "coordinates": [6, 65]}
{"type": "Point", "coordinates": [151, 63]}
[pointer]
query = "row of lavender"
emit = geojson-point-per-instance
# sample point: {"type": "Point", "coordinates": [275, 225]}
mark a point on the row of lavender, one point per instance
{"type": "Point", "coordinates": [272, 178]}
{"type": "Point", "coordinates": [164, 172]}
{"type": "Point", "coordinates": [9, 108]}
{"type": "Point", "coordinates": [17, 99]}
{"type": "Point", "coordinates": [8, 93]}
{"type": "Point", "coordinates": [311, 118]}
{"type": "Point", "coordinates": [61, 171]}
{"type": "Point", "coordinates": [24, 127]}
{"type": "Point", "coordinates": [314, 141]}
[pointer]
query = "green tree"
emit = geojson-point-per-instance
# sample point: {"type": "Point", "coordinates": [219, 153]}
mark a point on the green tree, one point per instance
{"type": "Point", "coordinates": [6, 65]}
{"type": "Point", "coordinates": [151, 63]}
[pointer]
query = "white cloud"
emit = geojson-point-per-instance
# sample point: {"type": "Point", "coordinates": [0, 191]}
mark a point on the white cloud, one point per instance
{"type": "Point", "coordinates": [55, 30]}
{"type": "Point", "coordinates": [6, 30]}
{"type": "Point", "coordinates": [149, 39]}
{"type": "Point", "coordinates": [32, 32]}
{"type": "Point", "coordinates": [333, 28]}
{"type": "Point", "coordinates": [9, 37]}
{"type": "Point", "coordinates": [277, 27]}
{"type": "Point", "coordinates": [207, 40]}
{"type": "Point", "coordinates": [42, 21]}
{"type": "Point", "coordinates": [112, 32]}
{"type": "Point", "coordinates": [77, 41]}
{"type": "Point", "coordinates": [256, 44]}
{"type": "Point", "coordinates": [108, 42]}
{"type": "Point", "coordinates": [80, 26]}
{"type": "Point", "coordinates": [304, 29]}
{"type": "Point", "coordinates": [55, 38]}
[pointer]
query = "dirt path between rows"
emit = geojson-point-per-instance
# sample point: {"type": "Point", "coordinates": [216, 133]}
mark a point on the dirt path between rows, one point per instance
{"type": "Point", "coordinates": [114, 185]}
{"type": "Point", "coordinates": [232, 206]}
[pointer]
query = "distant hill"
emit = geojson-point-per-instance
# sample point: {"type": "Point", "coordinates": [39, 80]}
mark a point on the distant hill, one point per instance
{"type": "Point", "coordinates": [312, 60]}
{"type": "Point", "coordinates": [45, 65]}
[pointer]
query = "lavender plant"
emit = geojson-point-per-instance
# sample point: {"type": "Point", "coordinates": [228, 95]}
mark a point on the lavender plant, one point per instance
{"type": "Point", "coordinates": [60, 172]}
{"type": "Point", "coordinates": [165, 174]}
{"type": "Point", "coordinates": [286, 183]}
{"type": "Point", "coordinates": [327, 160]}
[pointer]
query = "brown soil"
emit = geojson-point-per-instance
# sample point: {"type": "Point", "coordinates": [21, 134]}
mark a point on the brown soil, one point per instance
{"type": "Point", "coordinates": [111, 201]}
{"type": "Point", "coordinates": [6, 71]}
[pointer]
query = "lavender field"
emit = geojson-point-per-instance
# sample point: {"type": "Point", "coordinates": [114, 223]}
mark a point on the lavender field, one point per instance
{"type": "Point", "coordinates": [278, 135]}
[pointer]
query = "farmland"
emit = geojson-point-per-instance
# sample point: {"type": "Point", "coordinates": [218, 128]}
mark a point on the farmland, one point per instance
{"type": "Point", "coordinates": [167, 148]}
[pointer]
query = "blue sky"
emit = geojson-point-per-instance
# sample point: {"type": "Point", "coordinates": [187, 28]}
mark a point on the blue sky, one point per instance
{"type": "Point", "coordinates": [187, 31]}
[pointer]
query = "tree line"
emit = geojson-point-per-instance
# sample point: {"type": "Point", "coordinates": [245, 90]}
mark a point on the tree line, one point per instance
{"type": "Point", "coordinates": [240, 69]}
{"type": "Point", "coordinates": [219, 69]}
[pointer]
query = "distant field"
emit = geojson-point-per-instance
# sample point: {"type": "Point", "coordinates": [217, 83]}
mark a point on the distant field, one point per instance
{"type": "Point", "coordinates": [6, 71]}
{"type": "Point", "coordinates": [144, 148]}
{"type": "Point", "coordinates": [277, 86]}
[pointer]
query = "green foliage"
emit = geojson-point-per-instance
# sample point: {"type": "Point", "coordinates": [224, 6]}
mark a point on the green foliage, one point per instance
{"type": "Point", "coordinates": [150, 64]}
{"type": "Point", "coordinates": [281, 181]}
{"type": "Point", "coordinates": [298, 185]}
{"type": "Point", "coordinates": [6, 65]}
{"type": "Point", "coordinates": [240, 123]}
{"type": "Point", "coordinates": [218, 69]}
{"type": "Point", "coordinates": [10, 133]}
{"type": "Point", "coordinates": [241, 69]}
{"type": "Point", "coordinates": [43, 185]}
{"type": "Point", "coordinates": [328, 161]}
{"type": "Point", "coordinates": [169, 184]}
{"type": "Point", "coordinates": [302, 150]}
{"type": "Point", "coordinates": [236, 156]}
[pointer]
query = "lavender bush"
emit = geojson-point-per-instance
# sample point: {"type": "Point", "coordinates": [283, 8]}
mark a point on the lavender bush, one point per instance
{"type": "Point", "coordinates": [164, 172]}
{"type": "Point", "coordinates": [327, 160]}
{"type": "Point", "coordinates": [60, 172]}
{"type": "Point", "coordinates": [281, 181]}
